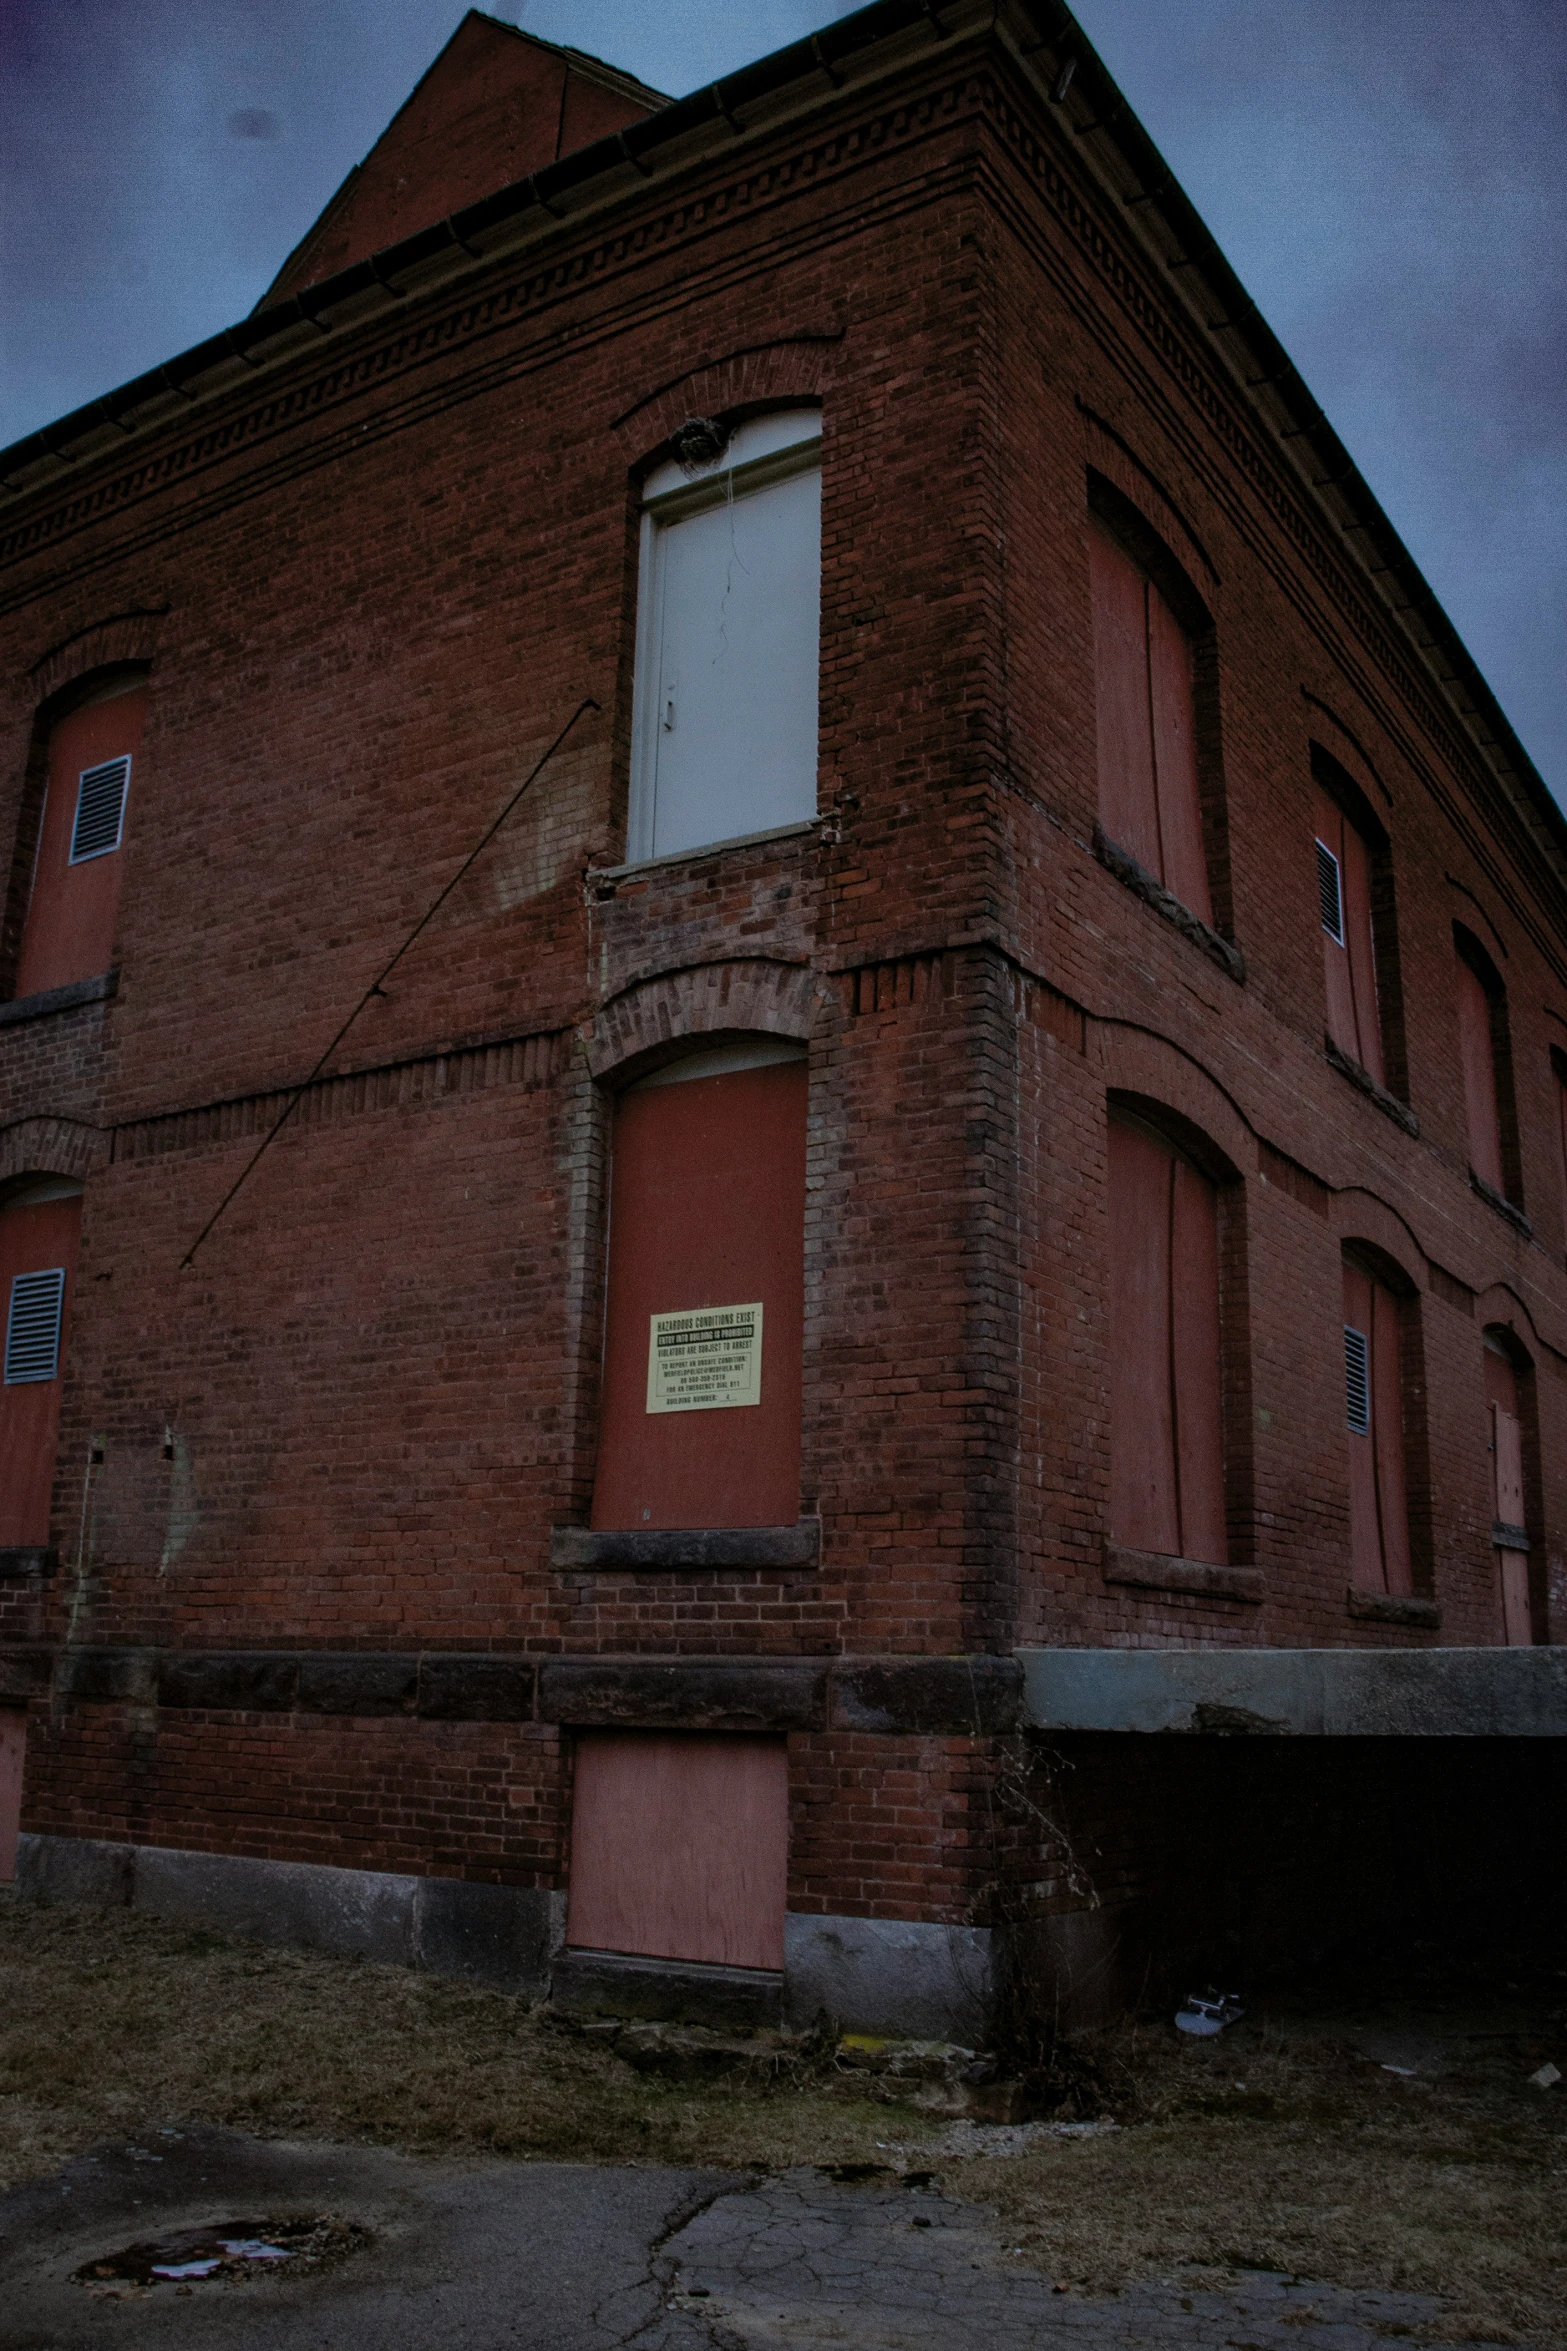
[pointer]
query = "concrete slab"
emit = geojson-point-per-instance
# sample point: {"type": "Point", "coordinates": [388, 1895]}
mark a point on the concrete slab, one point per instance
{"type": "Point", "coordinates": [1301, 1693]}
{"type": "Point", "coordinates": [885, 1975]}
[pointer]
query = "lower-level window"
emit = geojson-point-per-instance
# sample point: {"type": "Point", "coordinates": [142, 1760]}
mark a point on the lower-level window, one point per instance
{"type": "Point", "coordinates": [1509, 1514]}
{"type": "Point", "coordinates": [39, 1225]}
{"type": "Point", "coordinates": [1374, 1416]}
{"type": "Point", "coordinates": [13, 1751]}
{"type": "Point", "coordinates": [1166, 1406]}
{"type": "Point", "coordinates": [679, 1847]}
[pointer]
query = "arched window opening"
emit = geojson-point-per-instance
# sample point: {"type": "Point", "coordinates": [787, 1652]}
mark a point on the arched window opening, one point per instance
{"type": "Point", "coordinates": [724, 727]}
{"type": "Point", "coordinates": [73, 891]}
{"type": "Point", "coordinates": [700, 1417]}
{"type": "Point", "coordinates": [1145, 688]}
{"type": "Point", "coordinates": [1559, 1084]}
{"type": "Point", "coordinates": [1506, 1371]}
{"type": "Point", "coordinates": [1483, 1043]}
{"type": "Point", "coordinates": [1380, 1558]}
{"type": "Point", "coordinates": [40, 1223]}
{"type": "Point", "coordinates": [1348, 847]}
{"type": "Point", "coordinates": [1167, 1452]}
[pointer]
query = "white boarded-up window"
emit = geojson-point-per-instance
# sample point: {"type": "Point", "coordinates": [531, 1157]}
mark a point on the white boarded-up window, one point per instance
{"type": "Point", "coordinates": [728, 628]}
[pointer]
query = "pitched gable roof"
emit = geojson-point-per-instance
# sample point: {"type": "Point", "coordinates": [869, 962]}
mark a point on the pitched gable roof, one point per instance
{"type": "Point", "coordinates": [496, 105]}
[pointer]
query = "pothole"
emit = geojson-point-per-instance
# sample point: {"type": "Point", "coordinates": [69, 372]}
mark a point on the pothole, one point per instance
{"type": "Point", "coordinates": [225, 2252]}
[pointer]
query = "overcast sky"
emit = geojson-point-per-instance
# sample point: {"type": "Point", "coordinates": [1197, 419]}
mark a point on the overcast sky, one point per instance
{"type": "Point", "coordinates": [1388, 177]}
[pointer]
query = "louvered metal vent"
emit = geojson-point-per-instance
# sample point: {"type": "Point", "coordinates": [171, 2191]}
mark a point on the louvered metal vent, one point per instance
{"type": "Point", "coordinates": [1330, 891]}
{"type": "Point", "coordinates": [1357, 1380]}
{"type": "Point", "coordinates": [100, 809]}
{"type": "Point", "coordinates": [32, 1330]}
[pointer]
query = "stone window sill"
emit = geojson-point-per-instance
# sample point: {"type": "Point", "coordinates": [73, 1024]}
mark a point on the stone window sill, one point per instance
{"type": "Point", "coordinates": [1364, 1083]}
{"type": "Point", "coordinates": [28, 1561]}
{"type": "Point", "coordinates": [606, 879]}
{"type": "Point", "coordinates": [1142, 884]}
{"type": "Point", "coordinates": [659, 1550]}
{"type": "Point", "coordinates": [1394, 1608]}
{"type": "Point", "coordinates": [1493, 1199]}
{"type": "Point", "coordinates": [95, 991]}
{"type": "Point", "coordinates": [1154, 1571]}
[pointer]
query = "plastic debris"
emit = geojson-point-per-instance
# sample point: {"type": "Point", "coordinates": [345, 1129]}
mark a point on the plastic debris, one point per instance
{"type": "Point", "coordinates": [230, 2251]}
{"type": "Point", "coordinates": [1547, 2077]}
{"type": "Point", "coordinates": [1207, 2013]}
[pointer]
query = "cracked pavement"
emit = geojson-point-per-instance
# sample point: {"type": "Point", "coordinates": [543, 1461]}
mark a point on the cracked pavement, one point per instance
{"type": "Point", "coordinates": [576, 2257]}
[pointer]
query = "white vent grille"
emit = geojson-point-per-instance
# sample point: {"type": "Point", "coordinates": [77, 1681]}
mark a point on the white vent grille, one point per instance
{"type": "Point", "coordinates": [1330, 893]}
{"type": "Point", "coordinates": [100, 809]}
{"type": "Point", "coordinates": [32, 1330]}
{"type": "Point", "coordinates": [1357, 1380]}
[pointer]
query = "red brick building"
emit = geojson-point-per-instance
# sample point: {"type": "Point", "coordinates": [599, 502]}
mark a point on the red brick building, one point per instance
{"type": "Point", "coordinates": [964, 1199]}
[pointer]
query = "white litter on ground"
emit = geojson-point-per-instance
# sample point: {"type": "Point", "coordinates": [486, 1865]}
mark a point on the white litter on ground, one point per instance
{"type": "Point", "coordinates": [1012, 2138]}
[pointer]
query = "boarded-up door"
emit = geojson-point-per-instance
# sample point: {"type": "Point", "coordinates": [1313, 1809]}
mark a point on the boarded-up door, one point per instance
{"type": "Point", "coordinates": [38, 1241]}
{"type": "Point", "coordinates": [1166, 1425]}
{"type": "Point", "coordinates": [1507, 1503]}
{"type": "Point", "coordinates": [707, 1214]}
{"type": "Point", "coordinates": [679, 1847]}
{"type": "Point", "coordinates": [69, 932]}
{"type": "Point", "coordinates": [13, 1755]}
{"type": "Point", "coordinates": [1378, 1496]}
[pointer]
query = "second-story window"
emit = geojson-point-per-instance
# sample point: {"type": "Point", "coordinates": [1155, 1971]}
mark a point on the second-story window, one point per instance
{"type": "Point", "coordinates": [1483, 1043]}
{"type": "Point", "coordinates": [68, 931]}
{"type": "Point", "coordinates": [703, 1330]}
{"type": "Point", "coordinates": [728, 630]}
{"type": "Point", "coordinates": [1343, 857]}
{"type": "Point", "coordinates": [1144, 687]}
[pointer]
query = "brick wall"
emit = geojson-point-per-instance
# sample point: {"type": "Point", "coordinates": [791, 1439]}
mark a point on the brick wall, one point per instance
{"type": "Point", "coordinates": [384, 579]}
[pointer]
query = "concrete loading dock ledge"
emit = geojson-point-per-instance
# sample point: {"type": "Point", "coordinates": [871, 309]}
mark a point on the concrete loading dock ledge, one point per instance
{"type": "Point", "coordinates": [956, 1157]}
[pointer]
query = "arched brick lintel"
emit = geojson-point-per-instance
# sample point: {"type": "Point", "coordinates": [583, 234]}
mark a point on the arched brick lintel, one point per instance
{"type": "Point", "coordinates": [124, 636]}
{"type": "Point", "coordinates": [647, 1022]}
{"type": "Point", "coordinates": [1359, 1215]}
{"type": "Point", "coordinates": [793, 368]}
{"type": "Point", "coordinates": [50, 1146]}
{"type": "Point", "coordinates": [1138, 1062]}
{"type": "Point", "coordinates": [1500, 1307]}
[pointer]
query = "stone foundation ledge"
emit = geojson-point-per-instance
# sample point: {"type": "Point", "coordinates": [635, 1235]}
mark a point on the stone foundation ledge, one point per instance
{"type": "Point", "coordinates": [903, 1978]}
{"type": "Point", "coordinates": [943, 1697]}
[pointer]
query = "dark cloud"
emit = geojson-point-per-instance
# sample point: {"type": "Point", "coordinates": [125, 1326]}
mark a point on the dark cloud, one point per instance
{"type": "Point", "coordinates": [1387, 180]}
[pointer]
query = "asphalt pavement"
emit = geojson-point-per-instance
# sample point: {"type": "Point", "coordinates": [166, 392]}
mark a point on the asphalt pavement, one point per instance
{"type": "Point", "coordinates": [477, 2256]}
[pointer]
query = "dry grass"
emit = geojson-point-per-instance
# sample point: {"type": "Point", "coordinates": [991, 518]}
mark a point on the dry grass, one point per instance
{"type": "Point", "coordinates": [1324, 2164]}
{"type": "Point", "coordinates": [113, 2024]}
